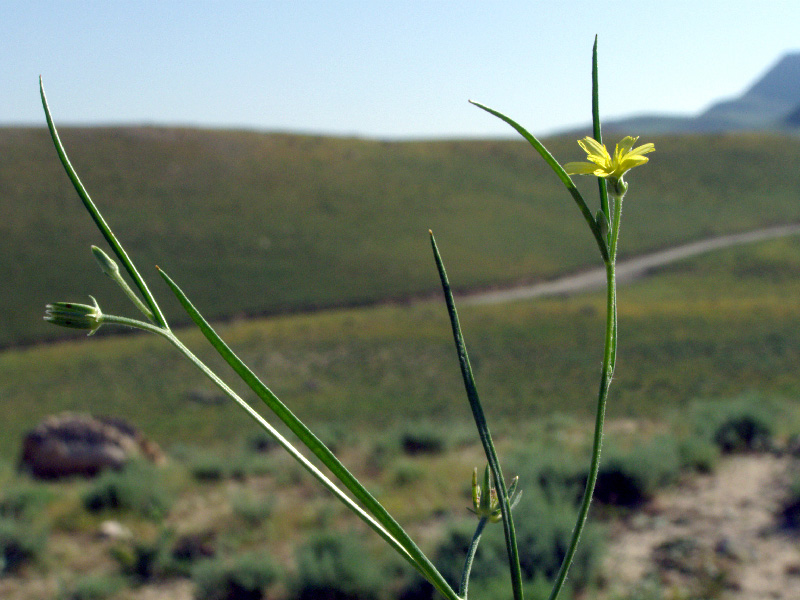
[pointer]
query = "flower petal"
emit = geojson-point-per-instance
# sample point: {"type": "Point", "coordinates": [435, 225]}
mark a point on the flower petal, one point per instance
{"type": "Point", "coordinates": [595, 151]}
{"type": "Point", "coordinates": [580, 168]}
{"type": "Point", "coordinates": [644, 149]}
{"type": "Point", "coordinates": [625, 144]}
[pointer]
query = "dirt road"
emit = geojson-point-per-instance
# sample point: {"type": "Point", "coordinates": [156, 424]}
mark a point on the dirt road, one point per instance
{"type": "Point", "coordinates": [628, 269]}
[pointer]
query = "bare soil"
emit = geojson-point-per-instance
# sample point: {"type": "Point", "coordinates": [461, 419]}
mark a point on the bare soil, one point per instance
{"type": "Point", "coordinates": [713, 536]}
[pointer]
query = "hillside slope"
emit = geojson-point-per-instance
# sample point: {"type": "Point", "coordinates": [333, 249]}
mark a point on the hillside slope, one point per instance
{"type": "Point", "coordinates": [252, 223]}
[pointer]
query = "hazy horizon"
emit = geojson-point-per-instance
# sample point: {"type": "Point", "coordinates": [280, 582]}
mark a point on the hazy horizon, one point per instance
{"type": "Point", "coordinates": [380, 70]}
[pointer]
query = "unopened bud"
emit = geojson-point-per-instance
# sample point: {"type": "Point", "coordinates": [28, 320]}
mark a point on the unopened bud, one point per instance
{"type": "Point", "coordinates": [108, 266]}
{"type": "Point", "coordinates": [76, 316]}
{"type": "Point", "coordinates": [485, 502]}
{"type": "Point", "coordinates": [111, 269]}
{"type": "Point", "coordinates": [619, 187]}
{"type": "Point", "coordinates": [476, 490]}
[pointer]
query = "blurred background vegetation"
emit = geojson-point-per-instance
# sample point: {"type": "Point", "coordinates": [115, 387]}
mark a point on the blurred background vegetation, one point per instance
{"type": "Point", "coordinates": [311, 255]}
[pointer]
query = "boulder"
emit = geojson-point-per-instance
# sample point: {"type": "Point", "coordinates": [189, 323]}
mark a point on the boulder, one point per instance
{"type": "Point", "coordinates": [77, 444]}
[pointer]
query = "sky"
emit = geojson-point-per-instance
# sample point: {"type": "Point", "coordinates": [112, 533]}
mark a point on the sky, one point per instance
{"type": "Point", "coordinates": [386, 70]}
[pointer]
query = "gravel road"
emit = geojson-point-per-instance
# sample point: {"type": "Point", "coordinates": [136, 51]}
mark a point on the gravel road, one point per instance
{"type": "Point", "coordinates": [627, 270]}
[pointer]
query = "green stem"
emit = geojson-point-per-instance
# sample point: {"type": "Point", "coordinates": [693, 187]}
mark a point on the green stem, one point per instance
{"type": "Point", "coordinates": [483, 429]}
{"type": "Point", "coordinates": [473, 547]}
{"type": "Point", "coordinates": [609, 360]}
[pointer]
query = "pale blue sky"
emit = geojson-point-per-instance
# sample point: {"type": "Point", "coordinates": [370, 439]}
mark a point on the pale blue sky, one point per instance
{"type": "Point", "coordinates": [380, 69]}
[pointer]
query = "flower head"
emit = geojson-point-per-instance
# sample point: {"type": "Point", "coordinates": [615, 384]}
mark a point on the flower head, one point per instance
{"type": "Point", "coordinates": [77, 316]}
{"type": "Point", "coordinates": [602, 165]}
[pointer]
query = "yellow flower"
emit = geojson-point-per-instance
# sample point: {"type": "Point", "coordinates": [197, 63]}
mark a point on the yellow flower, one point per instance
{"type": "Point", "coordinates": [602, 165]}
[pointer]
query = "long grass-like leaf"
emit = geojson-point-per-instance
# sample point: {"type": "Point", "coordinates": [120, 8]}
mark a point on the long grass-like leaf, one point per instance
{"type": "Point", "coordinates": [559, 171]}
{"type": "Point", "coordinates": [418, 558]}
{"type": "Point", "coordinates": [157, 316]}
{"type": "Point", "coordinates": [596, 129]}
{"type": "Point", "coordinates": [483, 427]}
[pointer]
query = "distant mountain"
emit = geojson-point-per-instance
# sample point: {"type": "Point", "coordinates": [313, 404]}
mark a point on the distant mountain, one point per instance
{"type": "Point", "coordinates": [772, 103]}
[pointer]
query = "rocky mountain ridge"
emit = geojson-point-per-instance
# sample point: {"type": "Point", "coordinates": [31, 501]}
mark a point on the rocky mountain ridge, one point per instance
{"type": "Point", "coordinates": [771, 103]}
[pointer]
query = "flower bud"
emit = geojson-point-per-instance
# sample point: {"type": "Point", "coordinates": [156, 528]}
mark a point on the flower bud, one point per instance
{"type": "Point", "coordinates": [108, 266]}
{"type": "Point", "coordinates": [619, 187]}
{"type": "Point", "coordinates": [485, 503]}
{"type": "Point", "coordinates": [76, 316]}
{"type": "Point", "coordinates": [476, 491]}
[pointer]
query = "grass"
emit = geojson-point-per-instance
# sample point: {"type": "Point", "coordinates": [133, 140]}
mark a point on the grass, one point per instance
{"type": "Point", "coordinates": [301, 222]}
{"type": "Point", "coordinates": [716, 326]}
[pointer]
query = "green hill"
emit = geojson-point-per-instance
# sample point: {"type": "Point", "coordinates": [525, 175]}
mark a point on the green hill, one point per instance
{"type": "Point", "coordinates": [251, 223]}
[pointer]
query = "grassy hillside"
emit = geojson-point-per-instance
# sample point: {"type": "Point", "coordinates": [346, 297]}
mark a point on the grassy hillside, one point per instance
{"type": "Point", "coordinates": [253, 223]}
{"type": "Point", "coordinates": [718, 326]}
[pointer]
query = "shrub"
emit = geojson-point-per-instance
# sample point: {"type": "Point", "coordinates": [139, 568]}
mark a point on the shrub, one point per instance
{"type": "Point", "coordinates": [250, 463]}
{"type": "Point", "coordinates": [625, 478]}
{"type": "Point", "coordinates": [136, 488]}
{"type": "Point", "coordinates": [405, 472]}
{"type": "Point", "coordinates": [252, 508]}
{"type": "Point", "coordinates": [490, 560]}
{"type": "Point", "coordinates": [333, 566]}
{"type": "Point", "coordinates": [742, 433]}
{"type": "Point", "coordinates": [559, 477]}
{"type": "Point", "coordinates": [422, 439]}
{"type": "Point", "coordinates": [209, 466]}
{"type": "Point", "coordinates": [741, 425]}
{"type": "Point", "coordinates": [23, 502]}
{"type": "Point", "coordinates": [94, 587]}
{"type": "Point", "coordinates": [240, 578]}
{"type": "Point", "coordinates": [384, 450]}
{"type": "Point", "coordinates": [143, 559]}
{"type": "Point", "coordinates": [261, 441]}
{"type": "Point", "coordinates": [193, 546]}
{"type": "Point", "coordinates": [698, 454]}
{"type": "Point", "coordinates": [19, 544]}
{"type": "Point", "coordinates": [629, 479]}
{"type": "Point", "coordinates": [334, 435]}
{"type": "Point", "coordinates": [544, 530]}
{"type": "Point", "coordinates": [789, 514]}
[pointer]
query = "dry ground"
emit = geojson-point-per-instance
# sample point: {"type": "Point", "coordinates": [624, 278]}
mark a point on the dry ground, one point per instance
{"type": "Point", "coordinates": [714, 536]}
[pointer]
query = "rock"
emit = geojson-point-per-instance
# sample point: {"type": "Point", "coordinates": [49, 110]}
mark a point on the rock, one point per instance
{"type": "Point", "coordinates": [114, 530]}
{"type": "Point", "coordinates": [73, 444]}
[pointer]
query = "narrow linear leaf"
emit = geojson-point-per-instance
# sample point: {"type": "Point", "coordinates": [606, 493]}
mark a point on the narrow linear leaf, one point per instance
{"type": "Point", "coordinates": [293, 452]}
{"type": "Point", "coordinates": [483, 427]}
{"type": "Point", "coordinates": [596, 129]}
{"type": "Point", "coordinates": [559, 171]}
{"type": "Point", "coordinates": [418, 559]}
{"type": "Point", "coordinates": [97, 217]}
